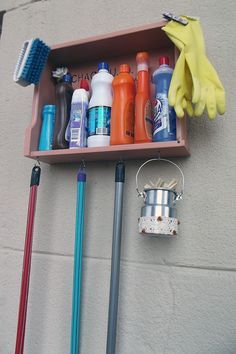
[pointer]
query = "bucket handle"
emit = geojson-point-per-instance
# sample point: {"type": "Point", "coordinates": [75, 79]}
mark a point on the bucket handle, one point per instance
{"type": "Point", "coordinates": [143, 194]}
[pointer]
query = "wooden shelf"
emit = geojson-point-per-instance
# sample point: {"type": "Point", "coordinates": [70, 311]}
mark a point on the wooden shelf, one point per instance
{"type": "Point", "coordinates": [115, 152]}
{"type": "Point", "coordinates": [81, 58]}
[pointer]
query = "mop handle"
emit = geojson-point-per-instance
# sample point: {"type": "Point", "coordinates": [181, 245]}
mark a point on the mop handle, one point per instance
{"type": "Point", "coordinates": [35, 178]}
{"type": "Point", "coordinates": [115, 259]}
{"type": "Point", "coordinates": [78, 257]}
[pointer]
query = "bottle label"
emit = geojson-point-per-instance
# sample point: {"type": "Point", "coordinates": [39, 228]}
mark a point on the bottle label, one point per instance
{"type": "Point", "coordinates": [78, 125]}
{"type": "Point", "coordinates": [161, 113]}
{"type": "Point", "coordinates": [99, 121]}
{"type": "Point", "coordinates": [46, 135]}
{"type": "Point", "coordinates": [148, 119]}
{"type": "Point", "coordinates": [129, 119]}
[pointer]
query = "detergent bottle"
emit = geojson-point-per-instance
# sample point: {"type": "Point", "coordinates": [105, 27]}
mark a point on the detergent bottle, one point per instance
{"type": "Point", "coordinates": [76, 132]}
{"type": "Point", "coordinates": [99, 114]}
{"type": "Point", "coordinates": [64, 92]}
{"type": "Point", "coordinates": [122, 113]}
{"type": "Point", "coordinates": [164, 116]}
{"type": "Point", "coordinates": [48, 122]}
{"type": "Point", "coordinates": [143, 117]}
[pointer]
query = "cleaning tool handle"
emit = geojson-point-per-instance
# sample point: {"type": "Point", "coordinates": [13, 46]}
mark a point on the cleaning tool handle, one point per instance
{"type": "Point", "coordinates": [115, 259]}
{"type": "Point", "coordinates": [78, 258]}
{"type": "Point", "coordinates": [81, 176]}
{"type": "Point", "coordinates": [35, 176]}
{"type": "Point", "coordinates": [120, 172]}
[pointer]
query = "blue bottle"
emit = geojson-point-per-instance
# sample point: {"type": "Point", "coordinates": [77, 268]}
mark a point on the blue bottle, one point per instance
{"type": "Point", "coordinates": [164, 128]}
{"type": "Point", "coordinates": [47, 130]}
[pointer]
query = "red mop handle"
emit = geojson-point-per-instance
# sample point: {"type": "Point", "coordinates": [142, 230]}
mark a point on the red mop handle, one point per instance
{"type": "Point", "coordinates": [35, 177]}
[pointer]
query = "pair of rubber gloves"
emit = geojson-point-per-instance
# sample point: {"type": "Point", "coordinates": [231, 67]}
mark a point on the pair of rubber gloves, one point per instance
{"type": "Point", "coordinates": [195, 85]}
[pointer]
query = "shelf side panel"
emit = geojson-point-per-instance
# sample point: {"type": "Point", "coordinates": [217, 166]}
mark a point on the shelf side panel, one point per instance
{"type": "Point", "coordinates": [44, 94]}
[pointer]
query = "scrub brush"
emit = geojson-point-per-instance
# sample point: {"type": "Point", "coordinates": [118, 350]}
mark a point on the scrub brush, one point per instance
{"type": "Point", "coordinates": [31, 62]}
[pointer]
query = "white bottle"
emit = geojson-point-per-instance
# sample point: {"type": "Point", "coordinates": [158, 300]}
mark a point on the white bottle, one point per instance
{"type": "Point", "coordinates": [76, 132]}
{"type": "Point", "coordinates": [99, 114]}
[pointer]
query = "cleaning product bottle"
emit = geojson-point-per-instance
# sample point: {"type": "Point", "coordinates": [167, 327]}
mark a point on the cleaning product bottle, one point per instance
{"type": "Point", "coordinates": [143, 117]}
{"type": "Point", "coordinates": [64, 93]}
{"type": "Point", "coordinates": [164, 116]}
{"type": "Point", "coordinates": [76, 132]}
{"type": "Point", "coordinates": [48, 122]}
{"type": "Point", "coordinates": [122, 113]}
{"type": "Point", "coordinates": [99, 114]}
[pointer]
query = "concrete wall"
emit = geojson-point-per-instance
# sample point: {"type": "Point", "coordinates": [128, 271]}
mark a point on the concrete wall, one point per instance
{"type": "Point", "coordinates": [176, 296]}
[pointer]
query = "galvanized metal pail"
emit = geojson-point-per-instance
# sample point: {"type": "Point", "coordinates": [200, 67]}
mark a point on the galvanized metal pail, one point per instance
{"type": "Point", "coordinates": [159, 214]}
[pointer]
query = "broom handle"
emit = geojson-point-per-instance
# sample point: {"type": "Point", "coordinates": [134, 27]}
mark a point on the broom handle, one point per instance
{"type": "Point", "coordinates": [115, 259]}
{"type": "Point", "coordinates": [78, 258]}
{"type": "Point", "coordinates": [19, 349]}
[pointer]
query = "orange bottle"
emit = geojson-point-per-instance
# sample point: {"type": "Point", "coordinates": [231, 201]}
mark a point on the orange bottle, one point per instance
{"type": "Point", "coordinates": [143, 117]}
{"type": "Point", "coordinates": [122, 111]}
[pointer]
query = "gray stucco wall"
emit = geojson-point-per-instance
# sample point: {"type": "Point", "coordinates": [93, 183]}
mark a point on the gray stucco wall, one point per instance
{"type": "Point", "coordinates": [176, 296]}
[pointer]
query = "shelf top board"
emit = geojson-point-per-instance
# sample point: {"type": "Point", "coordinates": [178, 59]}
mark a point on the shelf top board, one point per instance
{"type": "Point", "coordinates": [148, 37]}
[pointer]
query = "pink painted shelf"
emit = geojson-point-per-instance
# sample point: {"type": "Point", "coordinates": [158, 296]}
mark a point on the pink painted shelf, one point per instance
{"type": "Point", "coordinates": [81, 57]}
{"type": "Point", "coordinates": [116, 152]}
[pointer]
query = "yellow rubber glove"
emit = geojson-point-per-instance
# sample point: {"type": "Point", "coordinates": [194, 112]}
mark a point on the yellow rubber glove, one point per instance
{"type": "Point", "coordinates": [182, 36]}
{"type": "Point", "coordinates": [212, 93]}
{"type": "Point", "coordinates": [180, 91]}
{"type": "Point", "coordinates": [207, 90]}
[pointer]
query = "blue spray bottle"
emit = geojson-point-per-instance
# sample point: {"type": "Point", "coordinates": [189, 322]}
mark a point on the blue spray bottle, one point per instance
{"type": "Point", "coordinates": [48, 122]}
{"type": "Point", "coordinates": [164, 116]}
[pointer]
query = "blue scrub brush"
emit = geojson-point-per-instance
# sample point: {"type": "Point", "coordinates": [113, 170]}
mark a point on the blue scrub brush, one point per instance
{"type": "Point", "coordinates": [31, 62]}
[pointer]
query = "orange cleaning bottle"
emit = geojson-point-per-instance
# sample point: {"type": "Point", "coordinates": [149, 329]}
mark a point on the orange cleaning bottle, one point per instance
{"type": "Point", "coordinates": [143, 117]}
{"type": "Point", "coordinates": [122, 111]}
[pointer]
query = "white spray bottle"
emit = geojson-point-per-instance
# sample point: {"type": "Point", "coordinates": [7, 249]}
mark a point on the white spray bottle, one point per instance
{"type": "Point", "coordinates": [76, 132]}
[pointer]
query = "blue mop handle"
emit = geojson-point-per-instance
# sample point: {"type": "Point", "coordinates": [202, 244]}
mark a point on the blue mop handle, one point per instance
{"type": "Point", "coordinates": [78, 256]}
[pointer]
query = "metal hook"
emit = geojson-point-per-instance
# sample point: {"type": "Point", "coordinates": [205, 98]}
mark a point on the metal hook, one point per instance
{"type": "Point", "coordinates": [82, 165]}
{"type": "Point", "coordinates": [38, 162]}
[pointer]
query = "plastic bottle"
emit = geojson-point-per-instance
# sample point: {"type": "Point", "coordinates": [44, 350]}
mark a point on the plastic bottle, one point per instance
{"type": "Point", "coordinates": [164, 116]}
{"type": "Point", "coordinates": [122, 113]}
{"type": "Point", "coordinates": [76, 132]}
{"type": "Point", "coordinates": [143, 116]}
{"type": "Point", "coordinates": [64, 93]}
{"type": "Point", "coordinates": [99, 114]}
{"type": "Point", "coordinates": [48, 122]}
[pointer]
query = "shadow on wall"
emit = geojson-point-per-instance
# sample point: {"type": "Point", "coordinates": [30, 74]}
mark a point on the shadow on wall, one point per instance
{"type": "Point", "coordinates": [2, 13]}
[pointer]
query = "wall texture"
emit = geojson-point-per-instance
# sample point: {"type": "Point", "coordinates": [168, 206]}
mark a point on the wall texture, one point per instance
{"type": "Point", "coordinates": [176, 296]}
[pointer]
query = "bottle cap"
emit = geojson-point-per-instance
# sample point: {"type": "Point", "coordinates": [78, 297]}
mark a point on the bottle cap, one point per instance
{"type": "Point", "coordinates": [49, 108]}
{"type": "Point", "coordinates": [84, 84]}
{"type": "Point", "coordinates": [80, 95]}
{"type": "Point", "coordinates": [103, 65]}
{"type": "Point", "coordinates": [142, 56]}
{"type": "Point", "coordinates": [67, 78]}
{"type": "Point", "coordinates": [142, 61]}
{"type": "Point", "coordinates": [98, 140]}
{"type": "Point", "coordinates": [164, 60]}
{"type": "Point", "coordinates": [124, 68]}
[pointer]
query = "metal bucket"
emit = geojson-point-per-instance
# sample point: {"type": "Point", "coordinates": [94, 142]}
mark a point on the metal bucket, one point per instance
{"type": "Point", "coordinates": [159, 202]}
{"type": "Point", "coordinates": [159, 214]}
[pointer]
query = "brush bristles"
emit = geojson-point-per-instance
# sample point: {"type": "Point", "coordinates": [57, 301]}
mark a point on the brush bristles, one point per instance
{"type": "Point", "coordinates": [33, 64]}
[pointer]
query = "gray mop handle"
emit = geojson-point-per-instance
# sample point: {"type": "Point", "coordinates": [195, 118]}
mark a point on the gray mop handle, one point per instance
{"type": "Point", "coordinates": [115, 260]}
